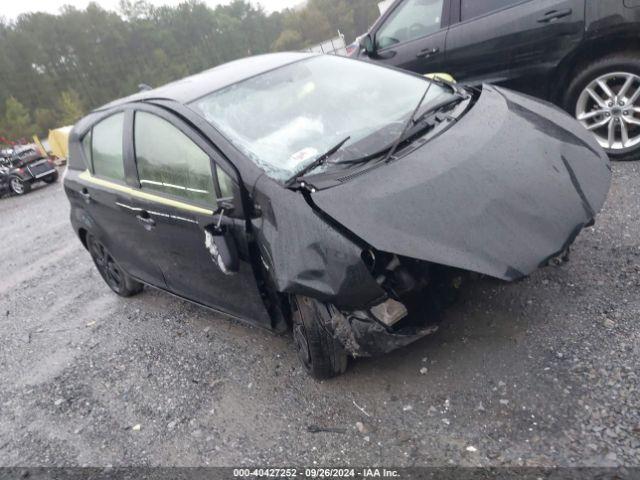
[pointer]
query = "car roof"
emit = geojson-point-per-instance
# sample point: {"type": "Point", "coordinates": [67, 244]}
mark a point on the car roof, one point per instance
{"type": "Point", "coordinates": [196, 86]}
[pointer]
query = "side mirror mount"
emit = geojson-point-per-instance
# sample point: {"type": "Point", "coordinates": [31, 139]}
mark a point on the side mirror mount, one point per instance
{"type": "Point", "coordinates": [368, 45]}
{"type": "Point", "coordinates": [222, 247]}
{"type": "Point", "coordinates": [225, 207]}
{"type": "Point", "coordinates": [220, 242]}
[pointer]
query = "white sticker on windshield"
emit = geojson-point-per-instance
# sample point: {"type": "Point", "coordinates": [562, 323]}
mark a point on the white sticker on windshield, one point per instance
{"type": "Point", "coordinates": [302, 155]}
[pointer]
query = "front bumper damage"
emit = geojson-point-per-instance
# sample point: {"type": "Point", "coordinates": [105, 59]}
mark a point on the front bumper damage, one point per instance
{"type": "Point", "coordinates": [363, 334]}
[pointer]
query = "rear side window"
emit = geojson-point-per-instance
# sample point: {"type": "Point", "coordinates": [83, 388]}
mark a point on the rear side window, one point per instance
{"type": "Point", "coordinates": [477, 8]}
{"type": "Point", "coordinates": [106, 148]}
{"type": "Point", "coordinates": [169, 162]}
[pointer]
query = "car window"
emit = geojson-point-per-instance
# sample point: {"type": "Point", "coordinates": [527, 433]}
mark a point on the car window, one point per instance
{"type": "Point", "coordinates": [106, 148]}
{"type": "Point", "coordinates": [477, 8]}
{"type": "Point", "coordinates": [225, 182]}
{"type": "Point", "coordinates": [412, 19]}
{"type": "Point", "coordinates": [170, 162]}
{"type": "Point", "coordinates": [86, 146]}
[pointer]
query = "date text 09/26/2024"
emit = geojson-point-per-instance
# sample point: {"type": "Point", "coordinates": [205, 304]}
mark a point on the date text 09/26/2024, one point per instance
{"type": "Point", "coordinates": [315, 473]}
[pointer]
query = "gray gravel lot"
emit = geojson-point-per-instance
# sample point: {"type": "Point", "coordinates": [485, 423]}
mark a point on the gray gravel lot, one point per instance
{"type": "Point", "coordinates": [542, 372]}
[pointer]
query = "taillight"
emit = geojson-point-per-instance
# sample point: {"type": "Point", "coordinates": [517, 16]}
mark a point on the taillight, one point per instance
{"type": "Point", "coordinates": [352, 49]}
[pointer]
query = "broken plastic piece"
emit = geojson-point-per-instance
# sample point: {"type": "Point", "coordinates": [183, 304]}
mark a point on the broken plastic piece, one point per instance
{"type": "Point", "coordinates": [389, 312]}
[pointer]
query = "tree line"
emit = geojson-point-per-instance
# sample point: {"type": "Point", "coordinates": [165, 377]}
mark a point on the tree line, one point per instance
{"type": "Point", "coordinates": [55, 68]}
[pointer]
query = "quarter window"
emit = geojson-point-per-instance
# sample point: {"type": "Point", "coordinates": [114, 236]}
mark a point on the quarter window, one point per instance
{"type": "Point", "coordinates": [412, 19]}
{"type": "Point", "coordinates": [86, 147]}
{"type": "Point", "coordinates": [169, 162]}
{"type": "Point", "coordinates": [226, 184]}
{"type": "Point", "coordinates": [477, 8]}
{"type": "Point", "coordinates": [106, 148]}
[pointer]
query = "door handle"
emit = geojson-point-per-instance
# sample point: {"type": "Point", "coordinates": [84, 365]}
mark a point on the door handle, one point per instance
{"type": "Point", "coordinates": [428, 52]}
{"type": "Point", "coordinates": [85, 195]}
{"type": "Point", "coordinates": [145, 219]}
{"type": "Point", "coordinates": [554, 15]}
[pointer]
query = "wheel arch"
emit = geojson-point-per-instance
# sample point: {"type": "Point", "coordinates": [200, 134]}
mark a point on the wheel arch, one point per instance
{"type": "Point", "coordinates": [588, 52]}
{"type": "Point", "coordinates": [82, 234]}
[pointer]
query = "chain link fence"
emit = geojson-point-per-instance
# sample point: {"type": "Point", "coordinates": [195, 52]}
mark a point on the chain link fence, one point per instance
{"type": "Point", "coordinates": [334, 46]}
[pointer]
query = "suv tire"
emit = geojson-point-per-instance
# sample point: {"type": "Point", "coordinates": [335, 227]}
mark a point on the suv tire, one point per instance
{"type": "Point", "coordinates": [623, 112]}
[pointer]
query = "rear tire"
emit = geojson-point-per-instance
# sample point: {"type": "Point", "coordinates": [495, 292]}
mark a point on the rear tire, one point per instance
{"type": "Point", "coordinates": [620, 107]}
{"type": "Point", "coordinates": [19, 186]}
{"type": "Point", "coordinates": [321, 355]}
{"type": "Point", "coordinates": [53, 178]}
{"type": "Point", "coordinates": [113, 275]}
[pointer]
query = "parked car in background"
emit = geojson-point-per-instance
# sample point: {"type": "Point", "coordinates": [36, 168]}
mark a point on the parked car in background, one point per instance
{"type": "Point", "coordinates": [327, 196]}
{"type": "Point", "coordinates": [22, 167]}
{"type": "Point", "coordinates": [583, 55]}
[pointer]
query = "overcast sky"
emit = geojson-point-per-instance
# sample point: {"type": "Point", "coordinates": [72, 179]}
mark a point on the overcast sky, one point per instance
{"type": "Point", "coordinates": [12, 8]}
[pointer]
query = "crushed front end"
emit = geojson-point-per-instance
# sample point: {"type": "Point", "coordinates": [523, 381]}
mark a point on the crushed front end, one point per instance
{"type": "Point", "coordinates": [417, 293]}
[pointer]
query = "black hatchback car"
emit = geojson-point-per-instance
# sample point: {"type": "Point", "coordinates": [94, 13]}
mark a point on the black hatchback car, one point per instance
{"type": "Point", "coordinates": [327, 195]}
{"type": "Point", "coordinates": [582, 55]}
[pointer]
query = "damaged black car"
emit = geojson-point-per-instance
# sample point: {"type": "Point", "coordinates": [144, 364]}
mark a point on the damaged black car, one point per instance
{"type": "Point", "coordinates": [21, 168]}
{"type": "Point", "coordinates": [328, 196]}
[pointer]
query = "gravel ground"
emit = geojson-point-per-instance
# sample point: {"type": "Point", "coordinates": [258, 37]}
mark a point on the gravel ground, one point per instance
{"type": "Point", "coordinates": [543, 372]}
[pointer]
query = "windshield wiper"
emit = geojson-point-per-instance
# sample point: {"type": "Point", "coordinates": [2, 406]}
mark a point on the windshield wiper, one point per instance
{"type": "Point", "coordinates": [445, 102]}
{"type": "Point", "coordinates": [407, 125]}
{"type": "Point", "coordinates": [317, 162]}
{"type": "Point", "coordinates": [394, 146]}
{"type": "Point", "coordinates": [450, 100]}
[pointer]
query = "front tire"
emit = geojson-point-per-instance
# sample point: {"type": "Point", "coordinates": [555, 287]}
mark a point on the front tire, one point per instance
{"type": "Point", "coordinates": [113, 275]}
{"type": "Point", "coordinates": [19, 186]}
{"type": "Point", "coordinates": [605, 99]}
{"type": "Point", "coordinates": [321, 355]}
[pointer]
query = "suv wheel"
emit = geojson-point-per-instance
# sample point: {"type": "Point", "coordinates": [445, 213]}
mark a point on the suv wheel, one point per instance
{"type": "Point", "coordinates": [19, 186]}
{"type": "Point", "coordinates": [321, 355]}
{"type": "Point", "coordinates": [121, 283]}
{"type": "Point", "coordinates": [605, 98]}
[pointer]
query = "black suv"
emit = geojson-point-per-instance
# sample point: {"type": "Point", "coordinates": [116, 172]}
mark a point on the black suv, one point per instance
{"type": "Point", "coordinates": [583, 55]}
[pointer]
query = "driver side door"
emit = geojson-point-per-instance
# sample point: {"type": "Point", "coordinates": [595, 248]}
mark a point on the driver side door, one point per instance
{"type": "Point", "coordinates": [412, 35]}
{"type": "Point", "coordinates": [181, 180]}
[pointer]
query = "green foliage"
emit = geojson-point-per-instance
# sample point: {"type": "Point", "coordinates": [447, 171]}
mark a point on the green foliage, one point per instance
{"type": "Point", "coordinates": [44, 119]}
{"type": "Point", "coordinates": [70, 108]}
{"type": "Point", "coordinates": [17, 121]}
{"type": "Point", "coordinates": [55, 68]}
{"type": "Point", "coordinates": [288, 40]}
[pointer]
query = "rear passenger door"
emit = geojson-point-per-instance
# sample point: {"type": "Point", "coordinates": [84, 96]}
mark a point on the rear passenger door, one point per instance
{"type": "Point", "coordinates": [412, 35]}
{"type": "Point", "coordinates": [512, 42]}
{"type": "Point", "coordinates": [104, 193]}
{"type": "Point", "coordinates": [181, 178]}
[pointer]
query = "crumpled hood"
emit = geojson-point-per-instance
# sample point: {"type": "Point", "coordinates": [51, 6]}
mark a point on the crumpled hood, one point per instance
{"type": "Point", "coordinates": [501, 192]}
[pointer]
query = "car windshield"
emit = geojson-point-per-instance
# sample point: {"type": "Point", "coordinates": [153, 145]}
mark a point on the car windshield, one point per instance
{"type": "Point", "coordinates": [284, 119]}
